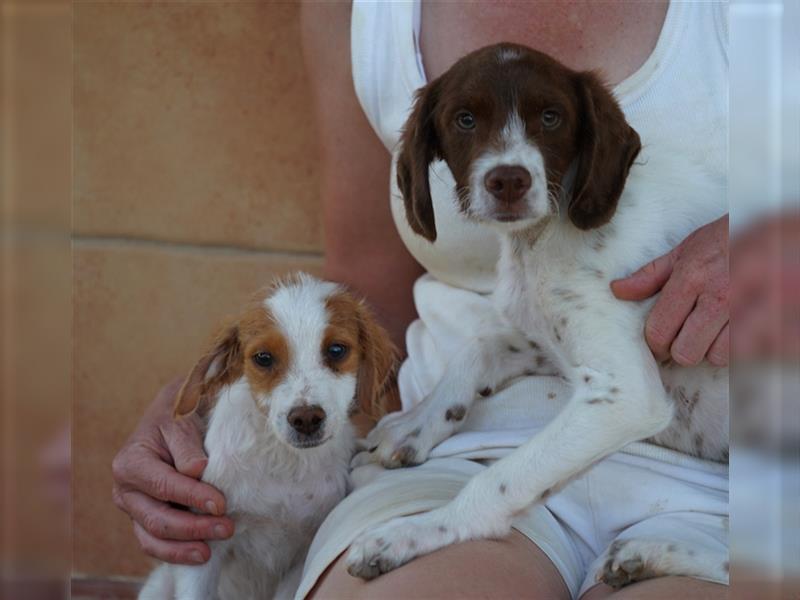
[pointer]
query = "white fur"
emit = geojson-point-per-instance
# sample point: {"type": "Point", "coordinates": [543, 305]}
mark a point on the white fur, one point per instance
{"type": "Point", "coordinates": [277, 494]}
{"type": "Point", "coordinates": [515, 150]}
{"type": "Point", "coordinates": [553, 301]}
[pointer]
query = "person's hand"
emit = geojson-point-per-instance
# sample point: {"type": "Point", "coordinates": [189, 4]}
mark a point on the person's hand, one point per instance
{"type": "Point", "coordinates": [158, 467]}
{"type": "Point", "coordinates": [689, 321]}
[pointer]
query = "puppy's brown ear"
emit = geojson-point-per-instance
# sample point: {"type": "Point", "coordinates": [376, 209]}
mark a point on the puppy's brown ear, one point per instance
{"type": "Point", "coordinates": [221, 365]}
{"type": "Point", "coordinates": [377, 366]}
{"type": "Point", "coordinates": [607, 148]}
{"type": "Point", "coordinates": [419, 148]}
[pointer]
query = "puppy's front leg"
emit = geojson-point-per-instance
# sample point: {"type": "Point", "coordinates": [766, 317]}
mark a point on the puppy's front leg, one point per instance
{"type": "Point", "coordinates": [617, 401]}
{"type": "Point", "coordinates": [484, 364]}
{"type": "Point", "coordinates": [201, 582]}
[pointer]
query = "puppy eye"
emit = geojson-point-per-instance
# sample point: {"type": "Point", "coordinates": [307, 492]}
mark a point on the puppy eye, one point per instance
{"type": "Point", "coordinates": [465, 120]}
{"type": "Point", "coordinates": [263, 359]}
{"type": "Point", "coordinates": [551, 119]}
{"type": "Point", "coordinates": [336, 351]}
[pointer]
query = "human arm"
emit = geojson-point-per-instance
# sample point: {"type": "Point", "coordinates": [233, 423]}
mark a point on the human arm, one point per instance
{"type": "Point", "coordinates": [160, 464]}
{"type": "Point", "coordinates": [362, 247]}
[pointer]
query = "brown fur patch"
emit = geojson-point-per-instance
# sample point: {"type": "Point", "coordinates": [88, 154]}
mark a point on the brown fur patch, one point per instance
{"type": "Point", "coordinates": [456, 413]}
{"type": "Point", "coordinates": [372, 354]}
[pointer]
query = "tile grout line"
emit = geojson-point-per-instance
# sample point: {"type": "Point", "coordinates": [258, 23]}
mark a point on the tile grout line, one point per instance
{"type": "Point", "coordinates": [97, 240]}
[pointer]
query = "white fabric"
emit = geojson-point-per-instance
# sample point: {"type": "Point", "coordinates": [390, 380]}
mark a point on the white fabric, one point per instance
{"type": "Point", "coordinates": [679, 96]}
{"type": "Point", "coordinates": [671, 497]}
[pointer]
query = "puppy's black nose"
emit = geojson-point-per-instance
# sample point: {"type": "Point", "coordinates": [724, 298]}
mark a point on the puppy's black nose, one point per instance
{"type": "Point", "coordinates": [306, 419]}
{"type": "Point", "coordinates": [508, 183]}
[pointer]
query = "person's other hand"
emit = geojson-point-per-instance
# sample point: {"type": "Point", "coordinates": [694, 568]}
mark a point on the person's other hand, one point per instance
{"type": "Point", "coordinates": [689, 321]}
{"type": "Point", "coordinates": [159, 467]}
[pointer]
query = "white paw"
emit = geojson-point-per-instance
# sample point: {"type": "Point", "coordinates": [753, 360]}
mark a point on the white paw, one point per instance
{"type": "Point", "coordinates": [393, 544]}
{"type": "Point", "coordinates": [403, 439]}
{"type": "Point", "coordinates": [628, 561]}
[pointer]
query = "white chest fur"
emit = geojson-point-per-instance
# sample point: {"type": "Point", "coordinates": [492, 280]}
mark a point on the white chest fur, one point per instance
{"type": "Point", "coordinates": [553, 286]}
{"type": "Point", "coordinates": [276, 495]}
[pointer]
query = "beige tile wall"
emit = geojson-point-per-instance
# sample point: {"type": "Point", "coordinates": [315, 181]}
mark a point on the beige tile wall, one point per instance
{"type": "Point", "coordinates": [194, 184]}
{"type": "Point", "coordinates": [35, 286]}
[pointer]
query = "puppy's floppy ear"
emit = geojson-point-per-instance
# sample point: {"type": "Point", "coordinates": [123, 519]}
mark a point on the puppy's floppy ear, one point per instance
{"type": "Point", "coordinates": [419, 147]}
{"type": "Point", "coordinates": [221, 365]}
{"type": "Point", "coordinates": [607, 148]}
{"type": "Point", "coordinates": [377, 366]}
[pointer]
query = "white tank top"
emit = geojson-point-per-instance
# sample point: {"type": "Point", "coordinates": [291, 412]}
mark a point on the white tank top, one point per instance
{"type": "Point", "coordinates": [677, 98]}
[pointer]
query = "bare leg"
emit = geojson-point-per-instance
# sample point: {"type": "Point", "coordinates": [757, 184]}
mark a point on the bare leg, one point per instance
{"type": "Point", "coordinates": [663, 588]}
{"type": "Point", "coordinates": [510, 568]}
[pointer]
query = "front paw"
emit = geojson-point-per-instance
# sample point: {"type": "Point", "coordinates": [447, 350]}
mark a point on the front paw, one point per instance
{"type": "Point", "coordinates": [401, 440]}
{"type": "Point", "coordinates": [393, 544]}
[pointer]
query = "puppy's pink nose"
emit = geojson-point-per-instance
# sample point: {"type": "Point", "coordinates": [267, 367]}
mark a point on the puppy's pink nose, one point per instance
{"type": "Point", "coordinates": [508, 183]}
{"type": "Point", "coordinates": [306, 419]}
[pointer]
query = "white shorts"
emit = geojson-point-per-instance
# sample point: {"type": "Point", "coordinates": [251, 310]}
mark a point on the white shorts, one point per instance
{"type": "Point", "coordinates": [642, 492]}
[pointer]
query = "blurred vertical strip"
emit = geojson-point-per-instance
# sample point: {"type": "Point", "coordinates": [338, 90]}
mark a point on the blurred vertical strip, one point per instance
{"type": "Point", "coordinates": [764, 191]}
{"type": "Point", "coordinates": [35, 297]}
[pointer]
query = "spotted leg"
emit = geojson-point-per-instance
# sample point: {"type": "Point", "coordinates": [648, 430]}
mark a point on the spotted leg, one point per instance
{"type": "Point", "coordinates": [489, 361]}
{"type": "Point", "coordinates": [618, 399]}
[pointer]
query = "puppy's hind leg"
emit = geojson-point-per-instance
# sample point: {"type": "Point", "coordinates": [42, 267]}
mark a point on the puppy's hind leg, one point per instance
{"type": "Point", "coordinates": [637, 559]}
{"type": "Point", "coordinates": [476, 371]}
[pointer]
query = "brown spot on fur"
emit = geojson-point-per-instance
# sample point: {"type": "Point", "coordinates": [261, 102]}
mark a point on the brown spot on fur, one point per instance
{"type": "Point", "coordinates": [415, 433]}
{"type": "Point", "coordinates": [503, 488]}
{"type": "Point", "coordinates": [564, 321]}
{"type": "Point", "coordinates": [546, 494]}
{"type": "Point", "coordinates": [698, 443]}
{"type": "Point", "coordinates": [513, 349]}
{"type": "Point", "coordinates": [485, 392]}
{"type": "Point", "coordinates": [404, 455]}
{"type": "Point", "coordinates": [533, 345]}
{"type": "Point", "coordinates": [587, 378]}
{"type": "Point", "coordinates": [614, 390]}
{"type": "Point", "coordinates": [442, 529]}
{"type": "Point", "coordinates": [557, 334]}
{"type": "Point", "coordinates": [221, 365]}
{"type": "Point", "coordinates": [372, 354]}
{"type": "Point", "coordinates": [456, 412]}
{"type": "Point", "coordinates": [551, 395]}
{"type": "Point", "coordinates": [540, 360]}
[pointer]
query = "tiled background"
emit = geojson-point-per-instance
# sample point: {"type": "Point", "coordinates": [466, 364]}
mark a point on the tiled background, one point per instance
{"type": "Point", "coordinates": [35, 290]}
{"type": "Point", "coordinates": [194, 183]}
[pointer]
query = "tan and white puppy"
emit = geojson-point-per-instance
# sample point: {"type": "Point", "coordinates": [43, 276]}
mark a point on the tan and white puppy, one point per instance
{"type": "Point", "coordinates": [542, 155]}
{"type": "Point", "coordinates": [277, 390]}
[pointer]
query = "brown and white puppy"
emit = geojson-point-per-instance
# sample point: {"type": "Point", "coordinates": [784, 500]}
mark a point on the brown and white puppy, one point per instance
{"type": "Point", "coordinates": [542, 154]}
{"type": "Point", "coordinates": [277, 390]}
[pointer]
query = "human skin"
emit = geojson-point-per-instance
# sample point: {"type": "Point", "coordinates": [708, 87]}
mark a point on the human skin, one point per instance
{"type": "Point", "coordinates": [363, 249]}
